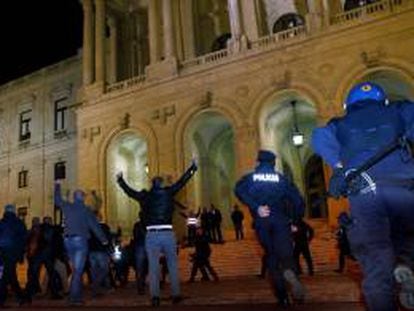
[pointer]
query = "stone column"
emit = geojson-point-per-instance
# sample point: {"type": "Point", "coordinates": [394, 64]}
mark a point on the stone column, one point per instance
{"type": "Point", "coordinates": [188, 29]}
{"type": "Point", "coordinates": [154, 33]}
{"type": "Point", "coordinates": [238, 40]}
{"type": "Point", "coordinates": [139, 50]}
{"type": "Point", "coordinates": [100, 41]}
{"type": "Point", "coordinates": [314, 17]}
{"type": "Point", "coordinates": [113, 65]}
{"type": "Point", "coordinates": [250, 19]}
{"type": "Point", "coordinates": [87, 50]}
{"type": "Point", "coordinates": [168, 27]}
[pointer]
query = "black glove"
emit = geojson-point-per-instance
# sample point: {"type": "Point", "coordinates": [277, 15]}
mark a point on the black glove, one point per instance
{"type": "Point", "coordinates": [337, 184]}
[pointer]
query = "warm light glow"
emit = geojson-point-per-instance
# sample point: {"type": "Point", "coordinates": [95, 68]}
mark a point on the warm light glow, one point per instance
{"type": "Point", "coordinates": [297, 139]}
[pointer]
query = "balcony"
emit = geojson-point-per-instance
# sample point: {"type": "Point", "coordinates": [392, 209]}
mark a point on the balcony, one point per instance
{"type": "Point", "coordinates": [276, 41]}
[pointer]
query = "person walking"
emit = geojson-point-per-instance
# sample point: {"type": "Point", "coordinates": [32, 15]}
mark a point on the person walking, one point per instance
{"type": "Point", "coordinates": [237, 218]}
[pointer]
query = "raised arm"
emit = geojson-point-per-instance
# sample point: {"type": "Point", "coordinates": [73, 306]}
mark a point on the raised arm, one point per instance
{"type": "Point", "coordinates": [179, 184]}
{"type": "Point", "coordinates": [137, 195]}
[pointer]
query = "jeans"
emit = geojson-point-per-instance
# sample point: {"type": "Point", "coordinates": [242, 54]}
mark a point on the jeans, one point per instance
{"type": "Point", "coordinates": [382, 234]}
{"type": "Point", "coordinates": [77, 250]}
{"type": "Point", "coordinates": [99, 262]}
{"type": "Point", "coordinates": [158, 242]}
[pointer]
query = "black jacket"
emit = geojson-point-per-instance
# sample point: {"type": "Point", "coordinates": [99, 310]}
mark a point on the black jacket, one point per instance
{"type": "Point", "coordinates": [158, 202]}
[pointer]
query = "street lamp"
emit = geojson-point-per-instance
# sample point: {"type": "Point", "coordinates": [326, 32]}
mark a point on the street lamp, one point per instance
{"type": "Point", "coordinates": [297, 136]}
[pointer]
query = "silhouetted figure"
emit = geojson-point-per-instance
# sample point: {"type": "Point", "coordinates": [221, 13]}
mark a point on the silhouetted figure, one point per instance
{"type": "Point", "coordinates": [237, 217]}
{"type": "Point", "coordinates": [302, 236]}
{"type": "Point", "coordinates": [13, 236]}
{"type": "Point", "coordinates": [216, 219]}
{"type": "Point", "coordinates": [201, 257]}
{"type": "Point", "coordinates": [343, 243]}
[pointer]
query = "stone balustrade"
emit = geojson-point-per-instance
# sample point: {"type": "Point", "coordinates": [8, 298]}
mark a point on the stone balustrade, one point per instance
{"type": "Point", "coordinates": [372, 11]}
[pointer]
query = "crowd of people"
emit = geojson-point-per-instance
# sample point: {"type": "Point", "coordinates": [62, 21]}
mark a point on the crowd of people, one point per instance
{"type": "Point", "coordinates": [374, 169]}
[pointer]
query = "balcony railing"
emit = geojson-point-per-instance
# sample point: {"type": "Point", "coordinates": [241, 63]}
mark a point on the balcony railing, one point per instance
{"type": "Point", "coordinates": [276, 38]}
{"type": "Point", "coordinates": [371, 10]}
{"type": "Point", "coordinates": [214, 57]}
{"type": "Point", "coordinates": [126, 83]}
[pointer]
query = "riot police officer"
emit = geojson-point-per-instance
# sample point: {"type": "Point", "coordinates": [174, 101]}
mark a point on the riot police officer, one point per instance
{"type": "Point", "coordinates": [381, 232]}
{"type": "Point", "coordinates": [266, 192]}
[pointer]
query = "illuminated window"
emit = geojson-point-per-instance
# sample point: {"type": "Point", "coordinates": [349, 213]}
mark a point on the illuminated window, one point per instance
{"type": "Point", "coordinates": [25, 120]}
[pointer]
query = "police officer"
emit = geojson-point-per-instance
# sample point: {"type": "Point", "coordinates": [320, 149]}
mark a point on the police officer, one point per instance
{"type": "Point", "coordinates": [265, 192]}
{"type": "Point", "coordinates": [381, 232]}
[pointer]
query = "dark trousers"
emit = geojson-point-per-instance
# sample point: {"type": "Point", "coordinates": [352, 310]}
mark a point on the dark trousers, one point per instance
{"type": "Point", "coordinates": [191, 233]}
{"type": "Point", "coordinates": [35, 264]}
{"type": "Point", "coordinates": [382, 233]}
{"type": "Point", "coordinates": [10, 260]}
{"type": "Point", "coordinates": [203, 264]}
{"type": "Point", "coordinates": [216, 234]}
{"type": "Point", "coordinates": [275, 237]}
{"type": "Point", "coordinates": [99, 266]}
{"type": "Point", "coordinates": [303, 249]}
{"type": "Point", "coordinates": [238, 228]}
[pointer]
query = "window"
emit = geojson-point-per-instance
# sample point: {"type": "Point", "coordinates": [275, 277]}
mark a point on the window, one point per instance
{"type": "Point", "coordinates": [25, 119]}
{"type": "Point", "coordinates": [60, 114]}
{"type": "Point", "coordinates": [60, 170]}
{"type": "Point", "coordinates": [23, 178]}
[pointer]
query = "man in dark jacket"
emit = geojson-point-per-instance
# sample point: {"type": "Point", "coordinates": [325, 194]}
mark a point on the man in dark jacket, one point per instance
{"type": "Point", "coordinates": [216, 220]}
{"type": "Point", "coordinates": [302, 235]}
{"type": "Point", "coordinates": [78, 223]}
{"type": "Point", "coordinates": [264, 191]}
{"type": "Point", "coordinates": [13, 236]}
{"type": "Point", "coordinates": [158, 207]}
{"type": "Point", "coordinates": [237, 218]}
{"type": "Point", "coordinates": [201, 257]}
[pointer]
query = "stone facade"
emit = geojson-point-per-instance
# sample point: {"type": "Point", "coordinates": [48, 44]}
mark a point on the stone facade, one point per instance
{"type": "Point", "coordinates": [36, 97]}
{"type": "Point", "coordinates": [180, 102]}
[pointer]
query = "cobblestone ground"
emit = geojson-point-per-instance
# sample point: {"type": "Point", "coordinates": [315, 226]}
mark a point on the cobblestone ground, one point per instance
{"type": "Point", "coordinates": [325, 292]}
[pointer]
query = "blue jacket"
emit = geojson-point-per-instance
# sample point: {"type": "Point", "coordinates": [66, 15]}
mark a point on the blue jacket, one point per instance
{"type": "Point", "coordinates": [363, 132]}
{"type": "Point", "coordinates": [13, 234]}
{"type": "Point", "coordinates": [265, 186]}
{"type": "Point", "coordinates": [78, 219]}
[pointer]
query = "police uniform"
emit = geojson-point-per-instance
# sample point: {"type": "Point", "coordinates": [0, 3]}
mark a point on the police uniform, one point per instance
{"type": "Point", "coordinates": [267, 187]}
{"type": "Point", "coordinates": [382, 201]}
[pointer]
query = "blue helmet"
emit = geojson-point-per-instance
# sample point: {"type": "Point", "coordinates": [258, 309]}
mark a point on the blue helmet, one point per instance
{"type": "Point", "coordinates": [365, 91]}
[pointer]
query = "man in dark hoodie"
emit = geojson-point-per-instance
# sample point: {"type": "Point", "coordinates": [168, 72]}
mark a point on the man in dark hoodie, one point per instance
{"type": "Point", "coordinates": [78, 223]}
{"type": "Point", "coordinates": [264, 191]}
{"type": "Point", "coordinates": [13, 235]}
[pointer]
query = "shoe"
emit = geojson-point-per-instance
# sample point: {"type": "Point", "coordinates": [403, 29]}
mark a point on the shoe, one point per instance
{"type": "Point", "coordinates": [284, 304]}
{"type": "Point", "coordinates": [298, 290]}
{"type": "Point", "coordinates": [405, 277]}
{"type": "Point", "coordinates": [155, 302]}
{"type": "Point", "coordinates": [177, 300]}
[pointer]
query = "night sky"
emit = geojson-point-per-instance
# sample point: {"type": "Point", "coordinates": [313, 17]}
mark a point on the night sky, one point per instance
{"type": "Point", "coordinates": [37, 33]}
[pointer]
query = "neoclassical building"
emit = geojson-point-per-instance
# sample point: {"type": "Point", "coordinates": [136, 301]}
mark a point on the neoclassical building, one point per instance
{"type": "Point", "coordinates": [160, 82]}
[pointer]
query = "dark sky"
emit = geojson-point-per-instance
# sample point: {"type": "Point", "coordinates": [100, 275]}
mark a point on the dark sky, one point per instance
{"type": "Point", "coordinates": [37, 33]}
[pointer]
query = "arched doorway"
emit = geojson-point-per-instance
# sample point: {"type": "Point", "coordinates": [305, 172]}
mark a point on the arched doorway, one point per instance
{"type": "Point", "coordinates": [210, 138]}
{"type": "Point", "coordinates": [288, 21]}
{"type": "Point", "coordinates": [315, 186]}
{"type": "Point", "coordinates": [126, 153]}
{"type": "Point", "coordinates": [277, 124]}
